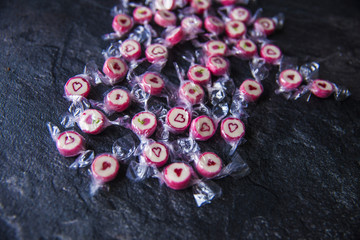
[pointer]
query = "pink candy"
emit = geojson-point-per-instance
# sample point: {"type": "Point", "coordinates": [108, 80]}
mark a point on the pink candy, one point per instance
{"type": "Point", "coordinates": [130, 49]}
{"type": "Point", "coordinates": [152, 83]}
{"type": "Point", "coordinates": [177, 175]}
{"type": "Point", "coordinates": [209, 165]}
{"type": "Point", "coordinates": [105, 167]}
{"type": "Point", "coordinates": [115, 68]}
{"type": "Point", "coordinates": [240, 14]}
{"type": "Point", "coordinates": [232, 129]}
{"type": "Point", "coordinates": [156, 52]}
{"type": "Point", "coordinates": [202, 128]}
{"type": "Point", "coordinates": [142, 14]}
{"type": "Point", "coordinates": [246, 48]}
{"type": "Point", "coordinates": [265, 25]}
{"type": "Point", "coordinates": [77, 86]}
{"type": "Point", "coordinates": [192, 92]}
{"type": "Point", "coordinates": [322, 88]}
{"type": "Point", "coordinates": [156, 154]}
{"type": "Point", "coordinates": [235, 29]}
{"type": "Point", "coordinates": [199, 74]}
{"type": "Point", "coordinates": [165, 18]}
{"type": "Point", "coordinates": [70, 143]}
{"type": "Point", "coordinates": [271, 53]}
{"type": "Point", "coordinates": [92, 121]}
{"type": "Point", "coordinates": [251, 90]}
{"type": "Point", "coordinates": [117, 100]}
{"type": "Point", "coordinates": [144, 124]}
{"type": "Point", "coordinates": [178, 119]}
{"type": "Point", "coordinates": [290, 79]}
{"type": "Point", "coordinates": [122, 23]}
{"type": "Point", "coordinates": [214, 25]}
{"type": "Point", "coordinates": [217, 65]}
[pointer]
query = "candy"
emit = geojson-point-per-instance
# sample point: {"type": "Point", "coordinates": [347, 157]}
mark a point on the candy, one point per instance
{"type": "Point", "coordinates": [290, 79]}
{"type": "Point", "coordinates": [214, 25]}
{"type": "Point", "coordinates": [104, 168]}
{"type": "Point", "coordinates": [175, 36]}
{"type": "Point", "coordinates": [232, 129]}
{"type": "Point", "coordinates": [115, 69]}
{"type": "Point", "coordinates": [177, 175]}
{"type": "Point", "coordinates": [246, 48]}
{"type": "Point", "coordinates": [156, 154]}
{"type": "Point", "coordinates": [70, 143]}
{"type": "Point", "coordinates": [215, 48]}
{"type": "Point", "coordinates": [217, 65]}
{"type": "Point", "coordinates": [270, 53]}
{"type": "Point", "coordinates": [264, 25]}
{"type": "Point", "coordinates": [77, 86]}
{"type": "Point", "coordinates": [156, 52]}
{"type": "Point", "coordinates": [192, 92]}
{"type": "Point", "coordinates": [235, 29]}
{"type": "Point", "coordinates": [92, 121]}
{"type": "Point", "coordinates": [209, 165]}
{"type": "Point", "coordinates": [122, 23]}
{"type": "Point", "coordinates": [144, 124]}
{"type": "Point", "coordinates": [251, 90]}
{"type": "Point", "coordinates": [165, 18]}
{"type": "Point", "coordinates": [152, 83]}
{"type": "Point", "coordinates": [200, 6]}
{"type": "Point", "coordinates": [322, 88]}
{"type": "Point", "coordinates": [199, 74]}
{"type": "Point", "coordinates": [191, 23]}
{"type": "Point", "coordinates": [142, 14]}
{"type": "Point", "coordinates": [202, 128]}
{"type": "Point", "coordinates": [240, 14]}
{"type": "Point", "coordinates": [130, 49]}
{"type": "Point", "coordinates": [227, 2]}
{"type": "Point", "coordinates": [117, 100]}
{"type": "Point", "coordinates": [178, 119]}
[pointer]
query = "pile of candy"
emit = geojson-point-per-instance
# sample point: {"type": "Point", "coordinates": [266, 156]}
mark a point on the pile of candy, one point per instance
{"type": "Point", "coordinates": [176, 124]}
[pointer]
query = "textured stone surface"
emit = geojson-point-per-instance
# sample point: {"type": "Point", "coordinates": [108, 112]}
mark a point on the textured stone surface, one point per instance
{"type": "Point", "coordinates": [304, 156]}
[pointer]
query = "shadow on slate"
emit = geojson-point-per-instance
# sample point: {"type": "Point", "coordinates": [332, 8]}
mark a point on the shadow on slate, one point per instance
{"type": "Point", "coordinates": [304, 156]}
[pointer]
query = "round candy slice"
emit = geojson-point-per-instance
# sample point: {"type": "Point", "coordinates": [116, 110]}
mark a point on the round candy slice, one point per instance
{"type": "Point", "coordinates": [202, 128]}
{"type": "Point", "coordinates": [118, 100]}
{"type": "Point", "coordinates": [156, 154]}
{"type": "Point", "coordinates": [251, 90]}
{"type": "Point", "coordinates": [77, 86]}
{"type": "Point", "coordinates": [105, 167]}
{"type": "Point", "coordinates": [92, 121]}
{"type": "Point", "coordinates": [240, 14]}
{"type": "Point", "coordinates": [175, 36]}
{"type": "Point", "coordinates": [144, 124]}
{"type": "Point", "coordinates": [290, 79]}
{"type": "Point", "coordinates": [232, 129]}
{"type": "Point", "coordinates": [270, 53]}
{"type": "Point", "coordinates": [265, 25]}
{"type": "Point", "coordinates": [215, 48]}
{"type": "Point", "coordinates": [235, 29]}
{"type": "Point", "coordinates": [178, 119]}
{"type": "Point", "coordinates": [122, 23]}
{"type": "Point", "coordinates": [199, 74]}
{"type": "Point", "coordinates": [200, 6]}
{"type": "Point", "coordinates": [177, 175]}
{"type": "Point", "coordinates": [130, 49]}
{"type": "Point", "coordinates": [209, 165]}
{"type": "Point", "coordinates": [191, 23]}
{"type": "Point", "coordinates": [217, 65]}
{"type": "Point", "coordinates": [214, 25]}
{"type": "Point", "coordinates": [246, 48]}
{"type": "Point", "coordinates": [165, 18]}
{"type": "Point", "coordinates": [70, 143]}
{"type": "Point", "coordinates": [192, 92]}
{"type": "Point", "coordinates": [152, 83]}
{"type": "Point", "coordinates": [322, 88]}
{"type": "Point", "coordinates": [156, 52]}
{"type": "Point", "coordinates": [142, 14]}
{"type": "Point", "coordinates": [115, 68]}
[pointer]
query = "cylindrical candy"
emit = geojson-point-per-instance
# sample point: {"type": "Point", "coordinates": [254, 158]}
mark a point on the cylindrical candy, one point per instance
{"type": "Point", "coordinates": [77, 86]}
{"type": "Point", "coordinates": [144, 124]}
{"type": "Point", "coordinates": [215, 48]}
{"type": "Point", "coordinates": [217, 65]}
{"type": "Point", "coordinates": [175, 36]}
{"type": "Point", "coordinates": [240, 14]}
{"type": "Point", "coordinates": [130, 49]}
{"type": "Point", "coordinates": [264, 25]}
{"type": "Point", "coordinates": [156, 52]}
{"type": "Point", "coordinates": [199, 74]}
{"type": "Point", "coordinates": [214, 25]}
{"type": "Point", "coordinates": [251, 90]}
{"type": "Point", "coordinates": [142, 14]}
{"type": "Point", "coordinates": [209, 165]}
{"type": "Point", "coordinates": [165, 18]}
{"type": "Point", "coordinates": [70, 143]}
{"type": "Point", "coordinates": [192, 92]}
{"type": "Point", "coordinates": [122, 23]}
{"type": "Point", "coordinates": [105, 167]}
{"type": "Point", "coordinates": [178, 119]}
{"type": "Point", "coordinates": [177, 175]}
{"type": "Point", "coordinates": [92, 121]}
{"type": "Point", "coordinates": [202, 128]}
{"type": "Point", "coordinates": [290, 79]}
{"type": "Point", "coordinates": [191, 23]}
{"type": "Point", "coordinates": [115, 68]}
{"type": "Point", "coordinates": [200, 5]}
{"type": "Point", "coordinates": [322, 88]}
{"type": "Point", "coordinates": [156, 154]}
{"type": "Point", "coordinates": [246, 48]}
{"type": "Point", "coordinates": [270, 53]}
{"type": "Point", "coordinates": [152, 83]}
{"type": "Point", "coordinates": [235, 29]}
{"type": "Point", "coordinates": [117, 100]}
{"type": "Point", "coordinates": [232, 129]}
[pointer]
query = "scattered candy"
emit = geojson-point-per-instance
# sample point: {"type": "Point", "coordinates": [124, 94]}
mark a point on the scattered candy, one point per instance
{"type": "Point", "coordinates": [232, 129]}
{"type": "Point", "coordinates": [192, 92]}
{"type": "Point", "coordinates": [70, 143]}
{"type": "Point", "coordinates": [156, 154]}
{"type": "Point", "coordinates": [217, 65]}
{"type": "Point", "coordinates": [156, 52]}
{"type": "Point", "coordinates": [202, 128]}
{"type": "Point", "coordinates": [115, 68]}
{"type": "Point", "coordinates": [199, 75]}
{"type": "Point", "coordinates": [144, 124]}
{"type": "Point", "coordinates": [152, 83]}
{"type": "Point", "coordinates": [290, 79]}
{"type": "Point", "coordinates": [130, 49]}
{"type": "Point", "coordinates": [209, 165]}
{"type": "Point", "coordinates": [122, 23]}
{"type": "Point", "coordinates": [105, 168]}
{"type": "Point", "coordinates": [77, 86]}
{"type": "Point", "coordinates": [178, 119]}
{"type": "Point", "coordinates": [142, 14]}
{"type": "Point", "coordinates": [322, 88]}
{"type": "Point", "coordinates": [165, 18]}
{"type": "Point", "coordinates": [177, 175]}
{"type": "Point", "coordinates": [251, 90]}
{"type": "Point", "coordinates": [270, 53]}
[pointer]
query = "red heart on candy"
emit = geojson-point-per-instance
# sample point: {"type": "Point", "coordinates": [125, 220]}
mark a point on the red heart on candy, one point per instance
{"type": "Point", "coordinates": [211, 163]}
{"type": "Point", "coordinates": [158, 50]}
{"type": "Point", "coordinates": [105, 165]}
{"type": "Point", "coordinates": [76, 86]}
{"type": "Point", "coordinates": [129, 48]}
{"type": "Point", "coordinates": [233, 127]}
{"type": "Point", "coordinates": [154, 80]}
{"type": "Point", "coordinates": [291, 76]}
{"type": "Point", "coordinates": [270, 52]}
{"type": "Point", "coordinates": [69, 139]}
{"type": "Point", "coordinates": [179, 118]}
{"type": "Point", "coordinates": [204, 127]}
{"type": "Point", "coordinates": [118, 96]}
{"type": "Point", "coordinates": [251, 87]}
{"type": "Point", "coordinates": [178, 171]}
{"type": "Point", "coordinates": [156, 151]}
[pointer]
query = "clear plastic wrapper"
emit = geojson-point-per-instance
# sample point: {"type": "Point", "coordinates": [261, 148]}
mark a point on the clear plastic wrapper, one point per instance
{"type": "Point", "coordinates": [169, 4]}
{"type": "Point", "coordinates": [191, 26]}
{"type": "Point", "coordinates": [165, 18]}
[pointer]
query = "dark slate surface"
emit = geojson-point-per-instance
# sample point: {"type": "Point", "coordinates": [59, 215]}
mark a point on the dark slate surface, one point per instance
{"type": "Point", "coordinates": [304, 156]}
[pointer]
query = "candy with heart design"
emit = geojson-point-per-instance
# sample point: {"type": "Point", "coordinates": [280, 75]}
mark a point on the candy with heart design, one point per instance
{"type": "Point", "coordinates": [130, 49]}
{"type": "Point", "coordinates": [246, 48]}
{"type": "Point", "coordinates": [105, 168]}
{"type": "Point", "coordinates": [235, 29]}
{"type": "Point", "coordinates": [199, 74]}
{"type": "Point", "coordinates": [264, 25]}
{"type": "Point", "coordinates": [191, 23]}
{"type": "Point", "coordinates": [240, 14]}
{"type": "Point", "coordinates": [192, 92]}
{"type": "Point", "coordinates": [232, 129]}
{"type": "Point", "coordinates": [174, 36]}
{"type": "Point", "coordinates": [152, 83]}
{"type": "Point", "coordinates": [92, 121]}
{"type": "Point", "coordinates": [178, 119]}
{"type": "Point", "coordinates": [215, 48]}
{"type": "Point", "coordinates": [322, 88]}
{"type": "Point", "coordinates": [144, 123]}
{"type": "Point", "coordinates": [271, 53]}
{"type": "Point", "coordinates": [115, 68]}
{"type": "Point", "coordinates": [209, 164]}
{"type": "Point", "coordinates": [122, 23]}
{"type": "Point", "coordinates": [199, 6]}
{"type": "Point", "coordinates": [77, 86]}
{"type": "Point", "coordinates": [117, 100]}
{"type": "Point", "coordinates": [217, 65]}
{"type": "Point", "coordinates": [290, 79]}
{"type": "Point", "coordinates": [214, 25]}
{"type": "Point", "coordinates": [70, 143]}
{"type": "Point", "coordinates": [251, 90]}
{"type": "Point", "coordinates": [156, 153]}
{"type": "Point", "coordinates": [202, 128]}
{"type": "Point", "coordinates": [156, 52]}
{"type": "Point", "coordinates": [177, 175]}
{"type": "Point", "coordinates": [165, 18]}
{"type": "Point", "coordinates": [142, 14]}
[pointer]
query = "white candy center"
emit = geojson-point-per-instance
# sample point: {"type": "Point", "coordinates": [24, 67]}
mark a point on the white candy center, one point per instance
{"type": "Point", "coordinates": [204, 126]}
{"type": "Point", "coordinates": [178, 118]}
{"type": "Point", "coordinates": [233, 127]}
{"type": "Point", "coordinates": [105, 166]}
{"type": "Point", "coordinates": [210, 162]}
{"type": "Point", "coordinates": [118, 97]}
{"type": "Point", "coordinates": [91, 120]}
{"type": "Point", "coordinates": [156, 152]}
{"type": "Point", "coordinates": [178, 172]}
{"type": "Point", "coordinates": [69, 141]}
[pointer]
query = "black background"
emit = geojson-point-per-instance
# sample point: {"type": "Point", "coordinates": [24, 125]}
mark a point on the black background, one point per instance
{"type": "Point", "coordinates": [304, 156]}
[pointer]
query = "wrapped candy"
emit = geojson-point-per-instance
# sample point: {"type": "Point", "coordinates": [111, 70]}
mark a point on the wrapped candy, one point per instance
{"type": "Point", "coordinates": [165, 18]}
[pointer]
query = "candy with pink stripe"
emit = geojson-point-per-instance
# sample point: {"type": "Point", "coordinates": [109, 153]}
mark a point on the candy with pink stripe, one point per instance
{"type": "Point", "coordinates": [144, 123]}
{"type": "Point", "coordinates": [232, 129]}
{"type": "Point", "coordinates": [70, 143]}
{"type": "Point", "coordinates": [77, 86]}
{"type": "Point", "coordinates": [322, 88]}
{"type": "Point", "coordinates": [115, 68]}
{"type": "Point", "coordinates": [156, 153]}
{"type": "Point", "coordinates": [105, 168]}
{"type": "Point", "coordinates": [251, 90]}
{"type": "Point", "coordinates": [178, 119]}
{"type": "Point", "coordinates": [177, 175]}
{"type": "Point", "coordinates": [209, 165]}
{"type": "Point", "coordinates": [202, 128]}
